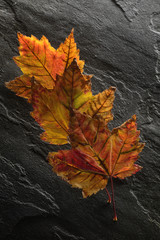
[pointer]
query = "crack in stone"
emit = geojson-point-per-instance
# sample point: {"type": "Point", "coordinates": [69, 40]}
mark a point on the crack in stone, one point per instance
{"type": "Point", "coordinates": [116, 81]}
{"type": "Point", "coordinates": [22, 180]}
{"type": "Point", "coordinates": [128, 8]}
{"type": "Point", "coordinates": [155, 27]}
{"type": "Point", "coordinates": [30, 204]}
{"type": "Point", "coordinates": [39, 190]}
{"type": "Point", "coordinates": [11, 5]}
{"type": "Point", "coordinates": [145, 211]}
{"type": "Point", "coordinates": [121, 9]}
{"type": "Point", "coordinates": [155, 22]}
{"type": "Point", "coordinates": [15, 119]}
{"type": "Point", "coordinates": [6, 115]}
{"type": "Point", "coordinates": [8, 41]}
{"type": "Point", "coordinates": [157, 67]}
{"type": "Point", "coordinates": [87, 13]}
{"type": "Point", "coordinates": [152, 150]}
{"type": "Point", "coordinates": [60, 232]}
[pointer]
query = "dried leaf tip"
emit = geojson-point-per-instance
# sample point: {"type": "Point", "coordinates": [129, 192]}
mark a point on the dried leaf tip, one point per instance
{"type": "Point", "coordinates": [112, 88]}
{"type": "Point", "coordinates": [134, 117]}
{"type": "Point", "coordinates": [115, 219]}
{"type": "Point", "coordinates": [19, 34]}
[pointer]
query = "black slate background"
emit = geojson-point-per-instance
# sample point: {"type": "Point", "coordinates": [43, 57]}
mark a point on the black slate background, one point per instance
{"type": "Point", "coordinates": [120, 43]}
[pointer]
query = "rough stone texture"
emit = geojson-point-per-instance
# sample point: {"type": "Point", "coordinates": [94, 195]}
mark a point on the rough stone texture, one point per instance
{"type": "Point", "coordinates": [120, 42]}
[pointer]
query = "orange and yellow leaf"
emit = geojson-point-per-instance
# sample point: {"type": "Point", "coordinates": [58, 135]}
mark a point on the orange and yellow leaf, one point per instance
{"type": "Point", "coordinates": [122, 150]}
{"type": "Point", "coordinates": [37, 58]}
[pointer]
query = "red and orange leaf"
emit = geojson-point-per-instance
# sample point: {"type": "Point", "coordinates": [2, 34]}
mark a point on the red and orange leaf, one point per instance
{"type": "Point", "coordinates": [37, 58]}
{"type": "Point", "coordinates": [122, 150]}
{"type": "Point", "coordinates": [93, 145]}
{"type": "Point", "coordinates": [21, 86]}
{"type": "Point", "coordinates": [116, 151]}
{"type": "Point", "coordinates": [69, 49]}
{"type": "Point", "coordinates": [52, 116]}
{"type": "Point", "coordinates": [80, 170]}
{"type": "Point", "coordinates": [100, 104]}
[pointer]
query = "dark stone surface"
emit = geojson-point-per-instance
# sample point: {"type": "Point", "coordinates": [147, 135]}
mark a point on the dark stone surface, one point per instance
{"type": "Point", "coordinates": [120, 42]}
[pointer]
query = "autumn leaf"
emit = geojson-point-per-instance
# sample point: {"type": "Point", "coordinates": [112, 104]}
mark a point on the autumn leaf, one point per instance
{"type": "Point", "coordinates": [115, 152]}
{"type": "Point", "coordinates": [122, 150]}
{"type": "Point", "coordinates": [69, 49]}
{"type": "Point", "coordinates": [37, 58]}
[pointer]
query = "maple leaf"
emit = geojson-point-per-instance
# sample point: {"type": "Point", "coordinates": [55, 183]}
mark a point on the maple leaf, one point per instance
{"type": "Point", "coordinates": [39, 59]}
{"type": "Point", "coordinates": [115, 152]}
{"type": "Point", "coordinates": [69, 49]}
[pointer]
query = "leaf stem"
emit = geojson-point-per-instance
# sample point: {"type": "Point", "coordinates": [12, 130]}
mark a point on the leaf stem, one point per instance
{"type": "Point", "coordinates": [114, 209]}
{"type": "Point", "coordinates": [109, 197]}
